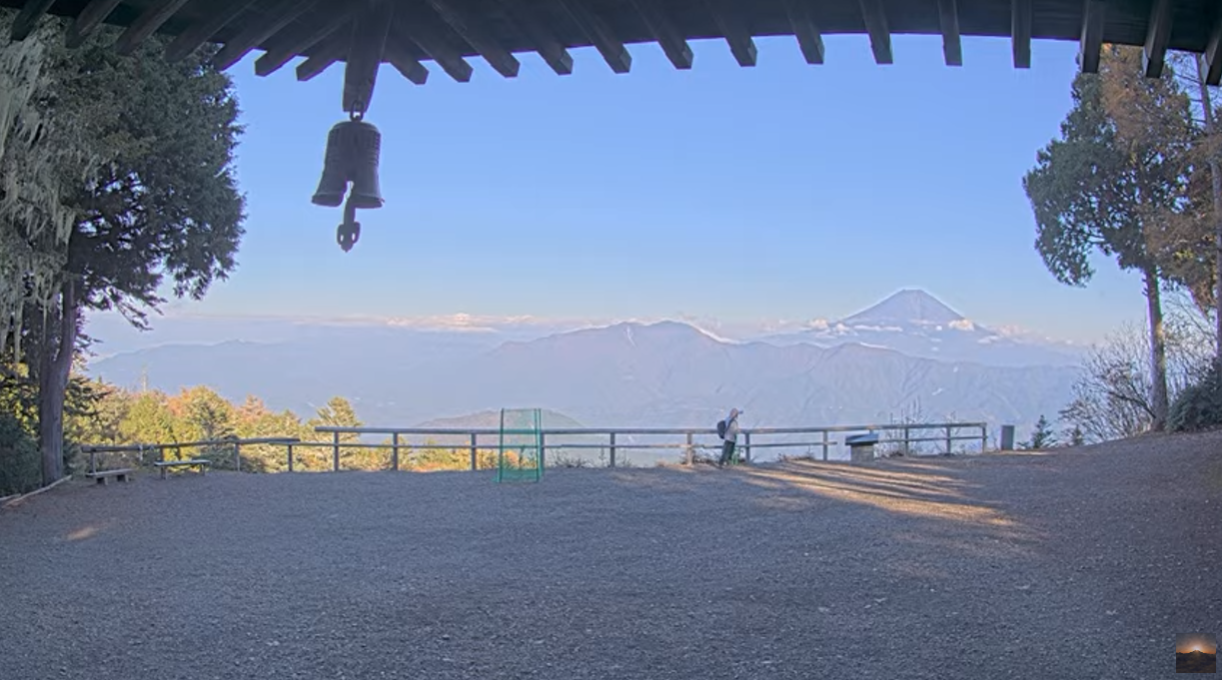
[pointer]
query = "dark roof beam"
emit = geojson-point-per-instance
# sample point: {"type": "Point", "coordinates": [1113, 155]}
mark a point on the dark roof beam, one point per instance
{"type": "Point", "coordinates": [663, 30]}
{"type": "Point", "coordinates": [1020, 32]}
{"type": "Point", "coordinates": [278, 16]}
{"type": "Point", "coordinates": [88, 19]}
{"type": "Point", "coordinates": [601, 35]}
{"type": "Point", "coordinates": [810, 39]}
{"type": "Point", "coordinates": [1213, 53]}
{"type": "Point", "coordinates": [875, 18]}
{"type": "Point", "coordinates": [738, 37]}
{"type": "Point", "coordinates": [548, 45]}
{"type": "Point", "coordinates": [448, 58]}
{"type": "Point", "coordinates": [1092, 35]}
{"type": "Point", "coordinates": [467, 26]}
{"type": "Point", "coordinates": [148, 22]}
{"type": "Point", "coordinates": [291, 43]}
{"type": "Point", "coordinates": [202, 31]}
{"type": "Point", "coordinates": [368, 39]}
{"type": "Point", "coordinates": [27, 19]}
{"type": "Point", "coordinates": [332, 50]}
{"type": "Point", "coordinates": [952, 46]}
{"type": "Point", "coordinates": [1158, 33]}
{"type": "Point", "coordinates": [405, 63]}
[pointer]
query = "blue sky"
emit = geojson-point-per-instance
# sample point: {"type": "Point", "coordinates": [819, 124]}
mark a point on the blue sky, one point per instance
{"type": "Point", "coordinates": [784, 191]}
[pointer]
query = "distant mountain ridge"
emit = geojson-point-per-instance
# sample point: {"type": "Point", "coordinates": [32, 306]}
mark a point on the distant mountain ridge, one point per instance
{"type": "Point", "coordinates": [666, 374]}
{"type": "Point", "coordinates": [918, 324]}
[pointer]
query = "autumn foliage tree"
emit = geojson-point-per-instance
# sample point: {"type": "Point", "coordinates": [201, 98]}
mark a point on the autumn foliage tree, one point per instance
{"type": "Point", "coordinates": [1116, 182]}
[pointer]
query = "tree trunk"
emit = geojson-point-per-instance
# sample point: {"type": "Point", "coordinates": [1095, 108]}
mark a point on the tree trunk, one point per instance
{"type": "Point", "coordinates": [55, 367]}
{"type": "Point", "coordinates": [1159, 402]}
{"type": "Point", "coordinates": [1215, 173]}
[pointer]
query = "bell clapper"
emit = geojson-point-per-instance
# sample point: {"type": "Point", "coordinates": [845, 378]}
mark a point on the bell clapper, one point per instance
{"type": "Point", "coordinates": [349, 232]}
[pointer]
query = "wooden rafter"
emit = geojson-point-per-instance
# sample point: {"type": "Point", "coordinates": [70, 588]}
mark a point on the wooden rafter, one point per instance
{"type": "Point", "coordinates": [875, 18]}
{"type": "Point", "coordinates": [149, 21]}
{"type": "Point", "coordinates": [546, 43]}
{"type": "Point", "coordinates": [31, 12]}
{"type": "Point", "coordinates": [405, 63]}
{"type": "Point", "coordinates": [599, 34]}
{"type": "Point", "coordinates": [90, 18]}
{"type": "Point", "coordinates": [332, 50]}
{"type": "Point", "coordinates": [810, 39]}
{"type": "Point", "coordinates": [470, 29]}
{"type": "Point", "coordinates": [952, 45]}
{"type": "Point", "coordinates": [1020, 32]}
{"type": "Point", "coordinates": [732, 27]}
{"type": "Point", "coordinates": [291, 42]}
{"type": "Point", "coordinates": [1213, 53]}
{"type": "Point", "coordinates": [368, 38]}
{"type": "Point", "coordinates": [1092, 35]}
{"type": "Point", "coordinates": [663, 30]}
{"type": "Point", "coordinates": [1158, 34]}
{"type": "Point", "coordinates": [448, 58]}
{"type": "Point", "coordinates": [202, 31]}
{"type": "Point", "coordinates": [278, 17]}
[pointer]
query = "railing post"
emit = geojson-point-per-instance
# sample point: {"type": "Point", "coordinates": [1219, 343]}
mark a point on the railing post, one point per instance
{"type": "Point", "coordinates": [825, 445]}
{"type": "Point", "coordinates": [747, 446]}
{"type": "Point", "coordinates": [612, 449]}
{"type": "Point", "coordinates": [290, 448]}
{"type": "Point", "coordinates": [691, 452]}
{"type": "Point", "coordinates": [542, 449]}
{"type": "Point", "coordinates": [237, 456]}
{"type": "Point", "coordinates": [984, 437]}
{"type": "Point", "coordinates": [335, 451]}
{"type": "Point", "coordinates": [474, 453]}
{"type": "Point", "coordinates": [949, 441]}
{"type": "Point", "coordinates": [394, 451]}
{"type": "Point", "coordinates": [907, 440]}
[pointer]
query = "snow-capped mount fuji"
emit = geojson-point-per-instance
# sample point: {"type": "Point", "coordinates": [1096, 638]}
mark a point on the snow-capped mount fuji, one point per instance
{"type": "Point", "coordinates": [918, 324]}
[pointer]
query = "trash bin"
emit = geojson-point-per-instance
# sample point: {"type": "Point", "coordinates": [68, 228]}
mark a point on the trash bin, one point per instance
{"type": "Point", "coordinates": [861, 447]}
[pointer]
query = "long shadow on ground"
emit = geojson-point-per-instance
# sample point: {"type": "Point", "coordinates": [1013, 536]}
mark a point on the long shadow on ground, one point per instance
{"type": "Point", "coordinates": [1066, 565]}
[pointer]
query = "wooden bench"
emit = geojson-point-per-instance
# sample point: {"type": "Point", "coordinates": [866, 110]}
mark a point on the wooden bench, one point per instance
{"type": "Point", "coordinates": [202, 463]}
{"type": "Point", "coordinates": [104, 475]}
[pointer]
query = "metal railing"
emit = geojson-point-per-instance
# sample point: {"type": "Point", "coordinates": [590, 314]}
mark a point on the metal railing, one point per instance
{"type": "Point", "coordinates": [568, 447]}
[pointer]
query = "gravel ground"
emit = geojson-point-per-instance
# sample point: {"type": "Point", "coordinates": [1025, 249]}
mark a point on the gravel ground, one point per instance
{"type": "Point", "coordinates": [1081, 564]}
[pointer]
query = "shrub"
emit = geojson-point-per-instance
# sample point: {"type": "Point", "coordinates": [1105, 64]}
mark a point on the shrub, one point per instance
{"type": "Point", "coordinates": [20, 464]}
{"type": "Point", "coordinates": [1198, 406]}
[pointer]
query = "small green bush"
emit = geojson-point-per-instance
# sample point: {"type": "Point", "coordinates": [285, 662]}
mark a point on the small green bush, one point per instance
{"type": "Point", "coordinates": [1199, 406]}
{"type": "Point", "coordinates": [20, 465]}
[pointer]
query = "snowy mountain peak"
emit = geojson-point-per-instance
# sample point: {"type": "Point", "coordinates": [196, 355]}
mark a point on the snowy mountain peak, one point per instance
{"type": "Point", "coordinates": [905, 308]}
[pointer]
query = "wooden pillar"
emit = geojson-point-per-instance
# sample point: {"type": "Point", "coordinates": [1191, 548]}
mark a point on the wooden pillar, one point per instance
{"type": "Point", "coordinates": [984, 437]}
{"type": "Point", "coordinates": [290, 453]}
{"type": "Point", "coordinates": [237, 456]}
{"type": "Point", "coordinates": [691, 452]}
{"type": "Point", "coordinates": [335, 451]}
{"type": "Point", "coordinates": [825, 445]}
{"type": "Point", "coordinates": [612, 449]}
{"type": "Point", "coordinates": [542, 450]}
{"type": "Point", "coordinates": [949, 441]}
{"type": "Point", "coordinates": [394, 451]}
{"type": "Point", "coordinates": [475, 452]}
{"type": "Point", "coordinates": [747, 446]}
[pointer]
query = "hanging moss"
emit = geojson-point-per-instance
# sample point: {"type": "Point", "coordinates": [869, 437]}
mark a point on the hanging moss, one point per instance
{"type": "Point", "coordinates": [45, 148]}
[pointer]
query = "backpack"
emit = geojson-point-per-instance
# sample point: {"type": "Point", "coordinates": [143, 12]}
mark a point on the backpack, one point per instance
{"type": "Point", "coordinates": [721, 429]}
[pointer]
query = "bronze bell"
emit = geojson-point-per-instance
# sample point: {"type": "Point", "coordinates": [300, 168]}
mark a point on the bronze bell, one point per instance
{"type": "Point", "coordinates": [353, 148]}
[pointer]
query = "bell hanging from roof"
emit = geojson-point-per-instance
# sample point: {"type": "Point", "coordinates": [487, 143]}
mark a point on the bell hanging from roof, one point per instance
{"type": "Point", "coordinates": [353, 149]}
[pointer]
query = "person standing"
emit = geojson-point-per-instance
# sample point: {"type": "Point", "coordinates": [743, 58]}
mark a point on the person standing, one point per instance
{"type": "Point", "coordinates": [729, 437]}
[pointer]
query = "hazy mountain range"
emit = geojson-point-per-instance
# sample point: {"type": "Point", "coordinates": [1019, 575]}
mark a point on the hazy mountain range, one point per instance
{"type": "Point", "coordinates": [910, 354]}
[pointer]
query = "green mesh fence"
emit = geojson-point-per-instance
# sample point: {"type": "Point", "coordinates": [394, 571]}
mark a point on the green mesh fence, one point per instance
{"type": "Point", "coordinates": [520, 455]}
